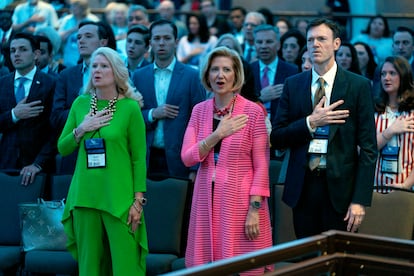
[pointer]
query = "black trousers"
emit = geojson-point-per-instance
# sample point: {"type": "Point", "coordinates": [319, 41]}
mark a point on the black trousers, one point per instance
{"type": "Point", "coordinates": [314, 212]}
{"type": "Point", "coordinates": [157, 163]}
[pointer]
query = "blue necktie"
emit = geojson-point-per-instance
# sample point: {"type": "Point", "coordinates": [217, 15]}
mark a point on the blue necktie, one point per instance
{"type": "Point", "coordinates": [86, 73]}
{"type": "Point", "coordinates": [20, 92]}
{"type": "Point", "coordinates": [264, 82]}
{"type": "Point", "coordinates": [249, 54]}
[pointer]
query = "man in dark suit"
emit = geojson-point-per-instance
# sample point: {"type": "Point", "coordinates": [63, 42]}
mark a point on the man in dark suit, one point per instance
{"type": "Point", "coordinates": [403, 44]}
{"type": "Point", "coordinates": [216, 24]}
{"type": "Point", "coordinates": [170, 90]}
{"type": "Point", "coordinates": [26, 95]}
{"type": "Point", "coordinates": [269, 67]}
{"type": "Point", "coordinates": [333, 147]}
{"type": "Point", "coordinates": [44, 60]}
{"type": "Point", "coordinates": [136, 47]}
{"type": "Point", "coordinates": [6, 32]}
{"type": "Point", "coordinates": [91, 35]}
{"type": "Point", "coordinates": [251, 21]}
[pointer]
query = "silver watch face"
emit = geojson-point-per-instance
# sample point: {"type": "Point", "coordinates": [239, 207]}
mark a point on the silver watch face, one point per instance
{"type": "Point", "coordinates": [256, 204]}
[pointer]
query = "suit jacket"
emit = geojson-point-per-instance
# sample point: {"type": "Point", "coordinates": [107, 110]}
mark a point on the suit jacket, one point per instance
{"type": "Point", "coordinates": [29, 140]}
{"type": "Point", "coordinates": [283, 71]}
{"type": "Point", "coordinates": [69, 83]}
{"type": "Point", "coordinates": [352, 147]}
{"type": "Point", "coordinates": [185, 91]}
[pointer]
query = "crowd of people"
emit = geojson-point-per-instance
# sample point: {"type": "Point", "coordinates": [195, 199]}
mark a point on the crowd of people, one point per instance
{"type": "Point", "coordinates": [118, 98]}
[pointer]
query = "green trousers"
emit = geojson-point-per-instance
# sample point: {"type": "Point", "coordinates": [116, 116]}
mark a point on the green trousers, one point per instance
{"type": "Point", "coordinates": [105, 245]}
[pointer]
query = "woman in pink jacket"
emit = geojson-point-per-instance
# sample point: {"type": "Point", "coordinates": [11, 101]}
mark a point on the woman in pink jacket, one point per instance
{"type": "Point", "coordinates": [227, 137]}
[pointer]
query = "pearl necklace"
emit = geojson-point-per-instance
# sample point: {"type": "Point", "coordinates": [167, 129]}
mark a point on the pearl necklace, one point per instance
{"type": "Point", "coordinates": [111, 105]}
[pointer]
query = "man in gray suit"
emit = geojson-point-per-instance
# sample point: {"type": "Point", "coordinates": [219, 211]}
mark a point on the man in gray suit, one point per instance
{"type": "Point", "coordinates": [170, 90]}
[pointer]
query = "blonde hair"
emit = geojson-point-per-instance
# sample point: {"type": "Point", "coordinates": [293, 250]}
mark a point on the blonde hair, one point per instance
{"type": "Point", "coordinates": [237, 67]}
{"type": "Point", "coordinates": [120, 71]}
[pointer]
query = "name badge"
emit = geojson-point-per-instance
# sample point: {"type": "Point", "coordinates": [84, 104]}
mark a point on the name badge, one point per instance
{"type": "Point", "coordinates": [389, 159]}
{"type": "Point", "coordinates": [319, 146]}
{"type": "Point", "coordinates": [95, 153]}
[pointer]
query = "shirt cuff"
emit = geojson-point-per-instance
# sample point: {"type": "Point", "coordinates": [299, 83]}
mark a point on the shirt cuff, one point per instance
{"type": "Point", "coordinates": [150, 118]}
{"type": "Point", "coordinates": [14, 118]}
{"type": "Point", "coordinates": [311, 130]}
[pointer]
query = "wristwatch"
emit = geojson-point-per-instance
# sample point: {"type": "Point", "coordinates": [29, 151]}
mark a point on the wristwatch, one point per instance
{"type": "Point", "coordinates": [142, 200]}
{"type": "Point", "coordinates": [256, 204]}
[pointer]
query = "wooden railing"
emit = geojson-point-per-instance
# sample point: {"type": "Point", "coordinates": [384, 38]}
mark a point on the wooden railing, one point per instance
{"type": "Point", "coordinates": [331, 252]}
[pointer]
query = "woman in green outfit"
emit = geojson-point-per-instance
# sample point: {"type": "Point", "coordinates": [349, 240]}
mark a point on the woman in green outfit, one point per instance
{"type": "Point", "coordinates": [103, 217]}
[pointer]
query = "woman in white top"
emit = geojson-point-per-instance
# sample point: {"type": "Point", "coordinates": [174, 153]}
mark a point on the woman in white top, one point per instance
{"type": "Point", "coordinates": [192, 47]}
{"type": "Point", "coordinates": [377, 36]}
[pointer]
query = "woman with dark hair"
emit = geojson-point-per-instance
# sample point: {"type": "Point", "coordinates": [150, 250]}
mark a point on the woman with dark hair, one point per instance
{"type": "Point", "coordinates": [197, 43]}
{"type": "Point", "coordinates": [290, 44]}
{"type": "Point", "coordinates": [377, 36]}
{"type": "Point", "coordinates": [346, 57]}
{"type": "Point", "coordinates": [267, 14]}
{"type": "Point", "coordinates": [394, 120]}
{"type": "Point", "coordinates": [283, 24]}
{"type": "Point", "coordinates": [366, 60]}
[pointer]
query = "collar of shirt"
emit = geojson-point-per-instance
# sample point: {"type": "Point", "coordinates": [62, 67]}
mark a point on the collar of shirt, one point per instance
{"type": "Point", "coordinates": [169, 67]}
{"type": "Point", "coordinates": [85, 67]}
{"type": "Point", "coordinates": [29, 76]}
{"type": "Point", "coordinates": [132, 69]}
{"type": "Point", "coordinates": [272, 66]}
{"type": "Point", "coordinates": [329, 78]}
{"type": "Point", "coordinates": [271, 73]}
{"type": "Point", "coordinates": [45, 69]}
{"type": "Point", "coordinates": [247, 46]}
{"type": "Point", "coordinates": [411, 60]}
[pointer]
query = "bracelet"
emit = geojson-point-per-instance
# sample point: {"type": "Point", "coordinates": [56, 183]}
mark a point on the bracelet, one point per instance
{"type": "Point", "coordinates": [385, 137]}
{"type": "Point", "coordinates": [205, 146]}
{"type": "Point", "coordinates": [139, 210]}
{"type": "Point", "coordinates": [37, 166]}
{"type": "Point", "coordinates": [75, 133]}
{"type": "Point", "coordinates": [142, 201]}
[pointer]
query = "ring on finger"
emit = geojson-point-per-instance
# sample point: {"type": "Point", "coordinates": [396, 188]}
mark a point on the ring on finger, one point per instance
{"type": "Point", "coordinates": [29, 173]}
